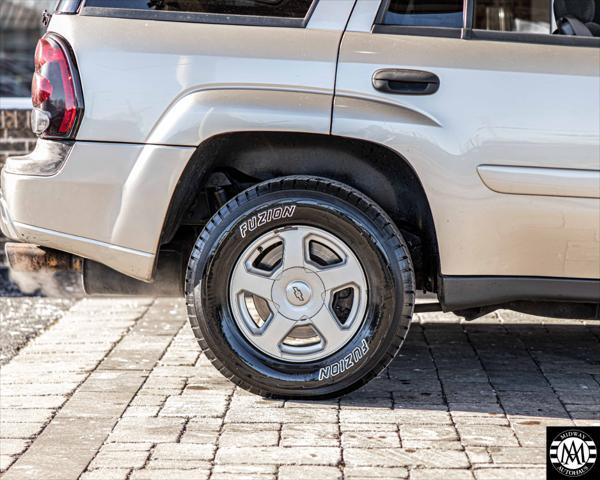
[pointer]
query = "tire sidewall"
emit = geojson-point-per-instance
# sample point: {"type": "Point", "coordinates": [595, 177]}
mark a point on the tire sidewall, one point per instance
{"type": "Point", "coordinates": [225, 245]}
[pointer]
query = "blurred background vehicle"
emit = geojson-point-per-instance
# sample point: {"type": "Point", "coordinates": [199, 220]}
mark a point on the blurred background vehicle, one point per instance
{"type": "Point", "coordinates": [20, 29]}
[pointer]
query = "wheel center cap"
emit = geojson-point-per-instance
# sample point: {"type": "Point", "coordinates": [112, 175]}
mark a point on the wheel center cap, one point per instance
{"type": "Point", "coordinates": [298, 293]}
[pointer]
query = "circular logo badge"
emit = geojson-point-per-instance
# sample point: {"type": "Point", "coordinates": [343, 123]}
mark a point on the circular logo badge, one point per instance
{"type": "Point", "coordinates": [573, 453]}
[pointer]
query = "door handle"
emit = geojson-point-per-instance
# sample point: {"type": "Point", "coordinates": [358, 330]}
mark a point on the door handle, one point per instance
{"type": "Point", "coordinates": [406, 82]}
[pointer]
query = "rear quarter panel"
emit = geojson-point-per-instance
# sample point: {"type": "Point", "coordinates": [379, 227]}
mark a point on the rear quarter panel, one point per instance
{"type": "Point", "coordinates": [143, 81]}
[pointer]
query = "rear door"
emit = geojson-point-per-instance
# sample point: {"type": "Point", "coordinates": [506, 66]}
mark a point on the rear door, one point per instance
{"type": "Point", "coordinates": [500, 120]}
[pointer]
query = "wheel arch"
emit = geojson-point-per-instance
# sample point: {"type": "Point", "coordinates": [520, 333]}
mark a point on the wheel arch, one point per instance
{"type": "Point", "coordinates": [242, 159]}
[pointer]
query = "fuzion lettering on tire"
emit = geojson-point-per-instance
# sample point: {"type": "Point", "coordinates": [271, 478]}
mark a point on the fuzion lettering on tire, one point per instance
{"type": "Point", "coordinates": [345, 363]}
{"type": "Point", "coordinates": [265, 217]}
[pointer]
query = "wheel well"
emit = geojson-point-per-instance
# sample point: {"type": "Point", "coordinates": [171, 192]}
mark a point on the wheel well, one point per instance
{"type": "Point", "coordinates": [227, 164]}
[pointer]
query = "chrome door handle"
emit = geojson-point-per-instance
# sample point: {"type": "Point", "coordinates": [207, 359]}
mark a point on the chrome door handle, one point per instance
{"type": "Point", "coordinates": [406, 82]}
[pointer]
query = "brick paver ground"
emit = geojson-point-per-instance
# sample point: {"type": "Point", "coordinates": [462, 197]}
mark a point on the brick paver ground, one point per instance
{"type": "Point", "coordinates": [118, 390]}
{"type": "Point", "coordinates": [24, 318]}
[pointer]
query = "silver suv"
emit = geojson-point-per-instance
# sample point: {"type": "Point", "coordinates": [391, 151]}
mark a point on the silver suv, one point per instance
{"type": "Point", "coordinates": [299, 169]}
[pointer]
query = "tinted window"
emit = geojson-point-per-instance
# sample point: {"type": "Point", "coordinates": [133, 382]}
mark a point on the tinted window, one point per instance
{"type": "Point", "coordinates": [425, 13]}
{"type": "Point", "coordinates": [270, 8]}
{"type": "Point", "coordinates": [531, 16]}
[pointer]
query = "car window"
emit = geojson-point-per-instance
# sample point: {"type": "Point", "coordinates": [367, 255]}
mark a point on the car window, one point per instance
{"type": "Point", "coordinates": [526, 16]}
{"type": "Point", "coordinates": [425, 13]}
{"type": "Point", "coordinates": [270, 8]}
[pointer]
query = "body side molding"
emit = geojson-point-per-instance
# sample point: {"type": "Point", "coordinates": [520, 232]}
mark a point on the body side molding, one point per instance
{"type": "Point", "coordinates": [554, 182]}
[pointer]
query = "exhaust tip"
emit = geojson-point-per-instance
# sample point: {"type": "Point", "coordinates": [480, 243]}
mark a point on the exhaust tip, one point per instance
{"type": "Point", "coordinates": [27, 258]}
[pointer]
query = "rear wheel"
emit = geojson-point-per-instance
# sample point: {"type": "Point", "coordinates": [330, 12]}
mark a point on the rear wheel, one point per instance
{"type": "Point", "coordinates": [300, 287]}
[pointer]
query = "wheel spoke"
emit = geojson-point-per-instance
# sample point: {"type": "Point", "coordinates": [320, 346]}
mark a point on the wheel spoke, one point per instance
{"type": "Point", "coordinates": [300, 294]}
{"type": "Point", "coordinates": [245, 281]}
{"type": "Point", "coordinates": [338, 276]}
{"type": "Point", "coordinates": [274, 333]}
{"type": "Point", "coordinates": [328, 326]}
{"type": "Point", "coordinates": [293, 248]}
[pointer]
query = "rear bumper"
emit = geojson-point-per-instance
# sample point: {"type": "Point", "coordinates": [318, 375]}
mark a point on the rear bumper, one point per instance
{"type": "Point", "coordinates": [6, 224]}
{"type": "Point", "coordinates": [107, 203]}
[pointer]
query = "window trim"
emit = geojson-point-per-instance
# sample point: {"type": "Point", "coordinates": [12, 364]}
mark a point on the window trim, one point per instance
{"type": "Point", "coordinates": [468, 16]}
{"type": "Point", "coordinates": [442, 32]}
{"type": "Point", "coordinates": [383, 8]}
{"type": "Point", "coordinates": [196, 17]}
{"type": "Point", "coordinates": [536, 38]}
{"type": "Point", "coordinates": [67, 7]}
{"type": "Point", "coordinates": [470, 33]}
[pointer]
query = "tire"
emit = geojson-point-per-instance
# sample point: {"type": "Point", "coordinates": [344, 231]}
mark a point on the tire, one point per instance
{"type": "Point", "coordinates": [359, 327]}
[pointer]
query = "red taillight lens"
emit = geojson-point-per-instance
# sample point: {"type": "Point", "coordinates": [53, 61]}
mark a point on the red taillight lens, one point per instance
{"type": "Point", "coordinates": [55, 89]}
{"type": "Point", "coordinates": [41, 90]}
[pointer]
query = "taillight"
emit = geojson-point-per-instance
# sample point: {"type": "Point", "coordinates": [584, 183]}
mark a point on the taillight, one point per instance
{"type": "Point", "coordinates": [55, 90]}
